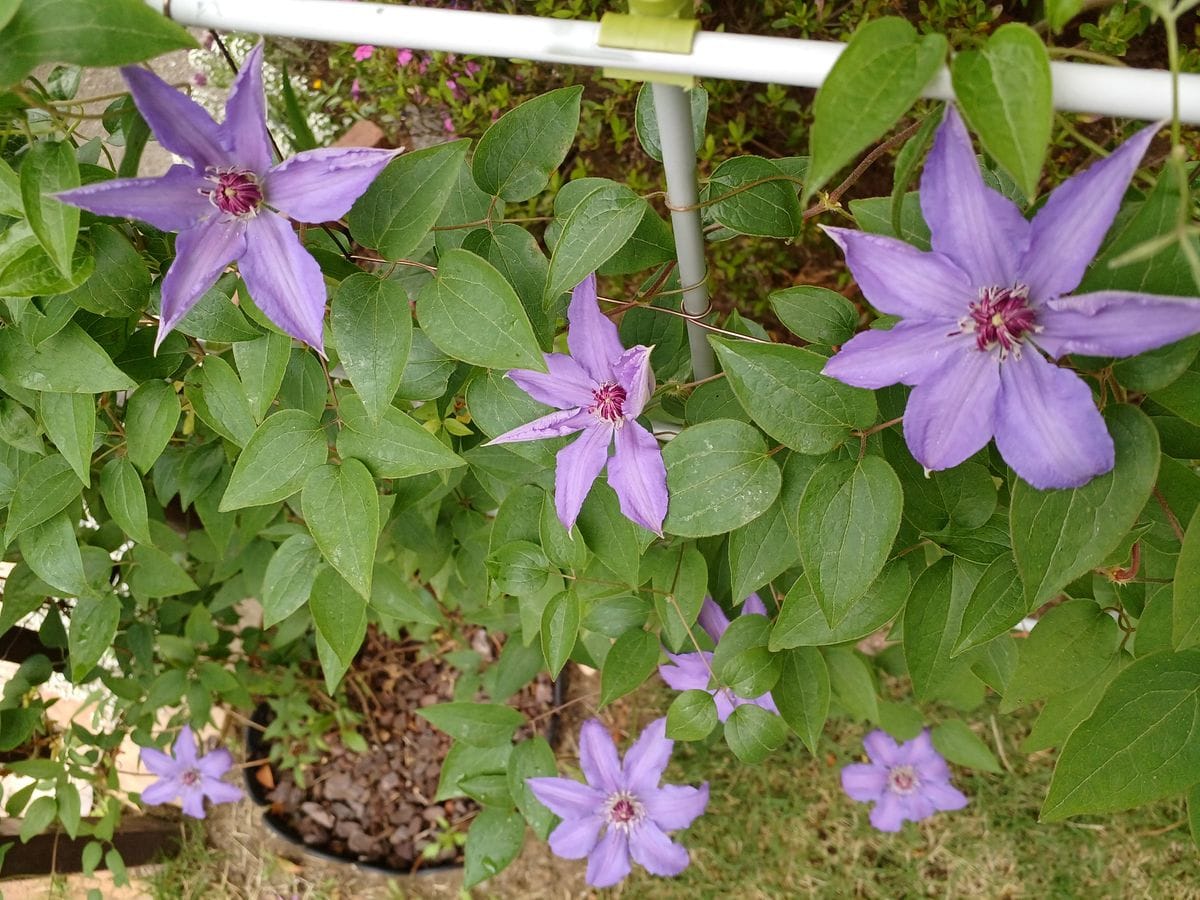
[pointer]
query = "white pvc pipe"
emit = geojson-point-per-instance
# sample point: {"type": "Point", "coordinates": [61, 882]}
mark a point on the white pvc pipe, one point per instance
{"type": "Point", "coordinates": [1078, 87]}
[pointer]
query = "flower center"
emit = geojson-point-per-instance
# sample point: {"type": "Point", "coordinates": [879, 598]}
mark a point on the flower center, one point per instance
{"type": "Point", "coordinates": [235, 192]}
{"type": "Point", "coordinates": [623, 810]}
{"type": "Point", "coordinates": [190, 777]}
{"type": "Point", "coordinates": [610, 402]}
{"type": "Point", "coordinates": [902, 780]}
{"type": "Point", "coordinates": [1001, 316]}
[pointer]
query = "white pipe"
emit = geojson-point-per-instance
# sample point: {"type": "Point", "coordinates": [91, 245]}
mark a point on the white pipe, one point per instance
{"type": "Point", "coordinates": [1078, 87]}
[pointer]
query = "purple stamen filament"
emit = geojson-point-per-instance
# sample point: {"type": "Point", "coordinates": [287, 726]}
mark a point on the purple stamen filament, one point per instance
{"type": "Point", "coordinates": [1001, 316]}
{"type": "Point", "coordinates": [610, 402]}
{"type": "Point", "coordinates": [235, 193]}
{"type": "Point", "coordinates": [902, 780]}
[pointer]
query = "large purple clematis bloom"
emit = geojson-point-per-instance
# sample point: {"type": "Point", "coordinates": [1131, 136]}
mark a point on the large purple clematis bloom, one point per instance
{"type": "Point", "coordinates": [224, 202]}
{"type": "Point", "coordinates": [600, 389]}
{"type": "Point", "coordinates": [980, 309]}
{"type": "Point", "coordinates": [189, 776]}
{"type": "Point", "coordinates": [624, 800]}
{"type": "Point", "coordinates": [693, 671]}
{"type": "Point", "coordinates": [906, 782]}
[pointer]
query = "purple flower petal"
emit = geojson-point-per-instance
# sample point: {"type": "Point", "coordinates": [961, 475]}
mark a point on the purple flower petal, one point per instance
{"type": "Point", "coordinates": [917, 751]}
{"type": "Point", "coordinates": [551, 425]}
{"type": "Point", "coordinates": [979, 229]}
{"type": "Point", "coordinates": [951, 413]}
{"type": "Point", "coordinates": [1047, 425]}
{"type": "Point", "coordinates": [1067, 230]}
{"type": "Point", "coordinates": [598, 757]}
{"type": "Point", "coordinates": [162, 791]}
{"type": "Point", "coordinates": [633, 372]}
{"type": "Point", "coordinates": [592, 337]}
{"type": "Point", "coordinates": [565, 797]}
{"type": "Point", "coordinates": [647, 759]}
{"type": "Point", "coordinates": [220, 791]}
{"type": "Point", "coordinates": [712, 619]}
{"type": "Point", "coordinates": [932, 768]}
{"type": "Point", "coordinates": [675, 806]}
{"type": "Point", "coordinates": [905, 354]}
{"type": "Point", "coordinates": [283, 278]}
{"type": "Point", "coordinates": [656, 852]}
{"type": "Point", "coordinates": [216, 763]}
{"type": "Point", "coordinates": [576, 838]}
{"type": "Point", "coordinates": [1115, 323]}
{"type": "Point", "coordinates": [193, 801]}
{"type": "Point", "coordinates": [917, 806]}
{"type": "Point", "coordinates": [577, 466]}
{"type": "Point", "coordinates": [322, 185]}
{"type": "Point", "coordinates": [888, 813]}
{"type": "Point", "coordinates": [172, 202]}
{"type": "Point", "coordinates": [158, 762]}
{"type": "Point", "coordinates": [201, 255]}
{"type": "Point", "coordinates": [185, 748]}
{"type": "Point", "coordinates": [178, 121]}
{"type": "Point", "coordinates": [639, 476]}
{"type": "Point", "coordinates": [881, 748]}
{"type": "Point", "coordinates": [726, 703]}
{"type": "Point", "coordinates": [767, 702]}
{"type": "Point", "coordinates": [564, 385]}
{"type": "Point", "coordinates": [754, 606]}
{"type": "Point", "coordinates": [688, 671]}
{"type": "Point", "coordinates": [943, 796]}
{"type": "Point", "coordinates": [244, 130]}
{"type": "Point", "coordinates": [609, 862]}
{"type": "Point", "coordinates": [901, 280]}
{"type": "Point", "coordinates": [864, 782]}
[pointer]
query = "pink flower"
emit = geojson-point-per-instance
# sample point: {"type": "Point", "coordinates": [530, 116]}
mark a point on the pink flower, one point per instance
{"type": "Point", "coordinates": [354, 90]}
{"type": "Point", "coordinates": [403, 57]}
{"type": "Point", "coordinates": [448, 124]}
{"type": "Point", "coordinates": [364, 52]}
{"type": "Point", "coordinates": [473, 68]}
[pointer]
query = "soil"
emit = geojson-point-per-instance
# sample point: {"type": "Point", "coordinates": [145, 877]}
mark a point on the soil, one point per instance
{"type": "Point", "coordinates": [376, 807]}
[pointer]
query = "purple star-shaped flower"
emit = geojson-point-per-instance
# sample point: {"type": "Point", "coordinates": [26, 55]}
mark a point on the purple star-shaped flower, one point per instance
{"type": "Point", "coordinates": [980, 309]}
{"type": "Point", "coordinates": [906, 782]}
{"type": "Point", "coordinates": [600, 389]}
{"type": "Point", "coordinates": [189, 776]}
{"type": "Point", "coordinates": [693, 671]}
{"type": "Point", "coordinates": [224, 202]}
{"type": "Point", "coordinates": [626, 801]}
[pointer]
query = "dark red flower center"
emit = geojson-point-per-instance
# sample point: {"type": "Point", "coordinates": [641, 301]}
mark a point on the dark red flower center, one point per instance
{"type": "Point", "coordinates": [235, 192]}
{"type": "Point", "coordinates": [1001, 316]}
{"type": "Point", "coordinates": [609, 402]}
{"type": "Point", "coordinates": [624, 810]}
{"type": "Point", "coordinates": [190, 777]}
{"type": "Point", "coordinates": [902, 779]}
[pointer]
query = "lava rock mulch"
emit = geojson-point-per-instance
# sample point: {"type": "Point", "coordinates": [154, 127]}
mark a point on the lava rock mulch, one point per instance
{"type": "Point", "coordinates": [377, 807]}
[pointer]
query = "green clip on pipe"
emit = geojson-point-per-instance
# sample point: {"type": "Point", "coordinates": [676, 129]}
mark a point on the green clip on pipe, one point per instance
{"type": "Point", "coordinates": [665, 26]}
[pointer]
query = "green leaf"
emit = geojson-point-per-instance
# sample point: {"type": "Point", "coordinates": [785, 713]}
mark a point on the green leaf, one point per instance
{"type": "Point", "coordinates": [302, 136]}
{"type": "Point", "coordinates": [783, 390]}
{"type": "Point", "coordinates": [816, 314]}
{"type": "Point", "coordinates": [493, 841]}
{"type": "Point", "coordinates": [125, 498]}
{"type": "Point", "coordinates": [761, 550]}
{"type": "Point", "coordinates": [719, 477]}
{"type": "Point", "coordinates": [94, 623]}
{"type": "Point", "coordinates": [560, 628]}
{"type": "Point", "coordinates": [151, 415]}
{"type": "Point", "coordinates": [517, 256]}
{"type": "Point", "coordinates": [1185, 630]}
{"type": "Point", "coordinates": [592, 233]}
{"type": "Point", "coordinates": [751, 195]}
{"type": "Point", "coordinates": [27, 271]}
{"type": "Point", "coordinates": [846, 523]}
{"type": "Point", "coordinates": [50, 166]}
{"type": "Point", "coordinates": [741, 660]}
{"type": "Point", "coordinates": [261, 363]}
{"type": "Point", "coordinates": [66, 796]}
{"type": "Point", "coordinates": [397, 447]}
{"type": "Point", "coordinates": [931, 624]}
{"type": "Point", "coordinates": [276, 460]}
{"type": "Point", "coordinates": [154, 573]}
{"type": "Point", "coordinates": [1059, 535]}
{"type": "Point", "coordinates": [1071, 645]}
{"type": "Point", "coordinates": [474, 315]}
{"type": "Point", "coordinates": [801, 623]}
{"type": "Point", "coordinates": [289, 578]}
{"type": "Point", "coordinates": [477, 724]}
{"type": "Point", "coordinates": [112, 33]}
{"type": "Point", "coordinates": [679, 578]}
{"type": "Point", "coordinates": [341, 506]}
{"type": "Point", "coordinates": [18, 429]}
{"type": "Point", "coordinates": [753, 733]}
{"type": "Point", "coordinates": [1139, 744]}
{"type": "Point", "coordinates": [520, 568]}
{"type": "Point", "coordinates": [1062, 713]}
{"type": "Point", "coordinates": [1003, 91]}
{"type": "Point", "coordinates": [36, 818]}
{"type": "Point", "coordinates": [531, 759]}
{"type": "Point", "coordinates": [646, 122]}
{"type": "Point", "coordinates": [802, 693]}
{"type": "Point", "coordinates": [691, 716]}
{"type": "Point", "coordinates": [52, 553]}
{"type": "Point", "coordinates": [629, 663]}
{"type": "Point", "coordinates": [372, 330]}
{"type": "Point", "coordinates": [960, 745]}
{"type": "Point", "coordinates": [340, 615]}
{"type": "Point", "coordinates": [45, 488]}
{"type": "Point", "coordinates": [394, 595]}
{"type": "Point", "coordinates": [1059, 12]}
{"type": "Point", "coordinates": [10, 183]}
{"type": "Point", "coordinates": [215, 318]}
{"type": "Point", "coordinates": [609, 535]}
{"type": "Point", "coordinates": [119, 286]}
{"type": "Point", "coordinates": [871, 85]}
{"type": "Point", "coordinates": [995, 606]}
{"type": "Point", "coordinates": [851, 684]}
{"type": "Point", "coordinates": [217, 396]}
{"type": "Point", "coordinates": [70, 421]}
{"type": "Point", "coordinates": [69, 361]}
{"type": "Point", "coordinates": [396, 212]}
{"type": "Point", "coordinates": [521, 150]}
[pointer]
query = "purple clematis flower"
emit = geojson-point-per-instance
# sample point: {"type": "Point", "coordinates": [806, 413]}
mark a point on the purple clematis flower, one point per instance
{"type": "Point", "coordinates": [600, 389]}
{"type": "Point", "coordinates": [978, 312]}
{"type": "Point", "coordinates": [223, 202]}
{"type": "Point", "coordinates": [906, 782]}
{"type": "Point", "coordinates": [626, 801]}
{"type": "Point", "coordinates": [693, 671]}
{"type": "Point", "coordinates": [189, 776]}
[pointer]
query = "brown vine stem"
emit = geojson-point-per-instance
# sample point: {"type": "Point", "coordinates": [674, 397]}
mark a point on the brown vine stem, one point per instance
{"type": "Point", "coordinates": [834, 197]}
{"type": "Point", "coordinates": [1167, 511]}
